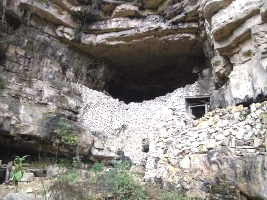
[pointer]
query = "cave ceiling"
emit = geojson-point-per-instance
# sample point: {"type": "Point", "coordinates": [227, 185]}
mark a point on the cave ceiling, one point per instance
{"type": "Point", "coordinates": [152, 45]}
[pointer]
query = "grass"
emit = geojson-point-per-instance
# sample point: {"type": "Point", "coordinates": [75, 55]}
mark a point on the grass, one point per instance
{"type": "Point", "coordinates": [112, 183]}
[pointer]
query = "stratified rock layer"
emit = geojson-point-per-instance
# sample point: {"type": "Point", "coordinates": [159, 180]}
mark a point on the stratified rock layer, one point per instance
{"type": "Point", "coordinates": [237, 32]}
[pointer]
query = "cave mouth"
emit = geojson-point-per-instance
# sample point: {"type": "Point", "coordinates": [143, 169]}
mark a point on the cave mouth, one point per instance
{"type": "Point", "coordinates": [129, 90]}
{"type": "Point", "coordinates": [133, 92]}
{"type": "Point", "coordinates": [154, 75]}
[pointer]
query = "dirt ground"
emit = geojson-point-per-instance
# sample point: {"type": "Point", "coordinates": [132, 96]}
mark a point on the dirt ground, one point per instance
{"type": "Point", "coordinates": [38, 186]}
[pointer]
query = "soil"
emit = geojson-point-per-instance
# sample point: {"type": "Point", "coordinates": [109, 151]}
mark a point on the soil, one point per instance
{"type": "Point", "coordinates": [38, 187]}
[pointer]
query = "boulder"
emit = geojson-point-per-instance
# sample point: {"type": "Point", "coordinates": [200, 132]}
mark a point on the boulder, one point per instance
{"type": "Point", "coordinates": [22, 196]}
{"type": "Point", "coordinates": [125, 10]}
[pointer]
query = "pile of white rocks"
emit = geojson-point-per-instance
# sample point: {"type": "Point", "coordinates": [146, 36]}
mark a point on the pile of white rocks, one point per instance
{"type": "Point", "coordinates": [178, 149]}
{"type": "Point", "coordinates": [183, 160]}
{"type": "Point", "coordinates": [126, 126]}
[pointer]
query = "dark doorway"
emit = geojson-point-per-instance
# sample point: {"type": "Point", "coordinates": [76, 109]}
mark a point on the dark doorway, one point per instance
{"type": "Point", "coordinates": [197, 106]}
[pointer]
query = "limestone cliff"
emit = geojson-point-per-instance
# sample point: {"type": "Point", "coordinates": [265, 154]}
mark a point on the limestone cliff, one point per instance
{"type": "Point", "coordinates": [74, 64]}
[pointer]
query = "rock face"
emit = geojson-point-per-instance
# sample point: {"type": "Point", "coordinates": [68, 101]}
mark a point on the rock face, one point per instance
{"type": "Point", "coordinates": [22, 196]}
{"type": "Point", "coordinates": [63, 62]}
{"type": "Point", "coordinates": [144, 42]}
{"type": "Point", "coordinates": [237, 33]}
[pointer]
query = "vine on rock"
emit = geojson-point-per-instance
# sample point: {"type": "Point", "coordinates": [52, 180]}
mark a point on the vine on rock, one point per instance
{"type": "Point", "coordinates": [67, 132]}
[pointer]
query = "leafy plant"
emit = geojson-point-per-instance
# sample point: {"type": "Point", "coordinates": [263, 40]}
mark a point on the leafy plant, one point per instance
{"type": "Point", "coordinates": [97, 167]}
{"type": "Point", "coordinates": [119, 182]}
{"type": "Point", "coordinates": [65, 162]}
{"type": "Point", "coordinates": [76, 161]}
{"type": "Point", "coordinates": [225, 184]}
{"type": "Point", "coordinates": [16, 171]}
{"type": "Point", "coordinates": [67, 133]}
{"type": "Point", "coordinates": [42, 193]}
{"type": "Point", "coordinates": [78, 31]}
{"type": "Point", "coordinates": [263, 115]}
{"type": "Point", "coordinates": [94, 178]}
{"type": "Point", "coordinates": [70, 176]}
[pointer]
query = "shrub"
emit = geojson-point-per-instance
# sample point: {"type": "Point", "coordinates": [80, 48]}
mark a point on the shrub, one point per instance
{"type": "Point", "coordinates": [67, 186]}
{"type": "Point", "coordinates": [97, 167]}
{"type": "Point", "coordinates": [67, 133]}
{"type": "Point", "coordinates": [16, 171]}
{"type": "Point", "coordinates": [76, 161]}
{"type": "Point", "coordinates": [119, 182]}
{"type": "Point", "coordinates": [65, 189]}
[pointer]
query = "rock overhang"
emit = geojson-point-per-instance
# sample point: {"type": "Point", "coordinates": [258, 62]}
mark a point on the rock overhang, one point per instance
{"type": "Point", "coordinates": [148, 54]}
{"type": "Point", "coordinates": [47, 69]}
{"type": "Point", "coordinates": [145, 43]}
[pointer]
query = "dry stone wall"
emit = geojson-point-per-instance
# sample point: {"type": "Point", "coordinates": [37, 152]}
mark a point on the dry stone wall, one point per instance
{"type": "Point", "coordinates": [205, 158]}
{"type": "Point", "coordinates": [190, 161]}
{"type": "Point", "coordinates": [125, 126]}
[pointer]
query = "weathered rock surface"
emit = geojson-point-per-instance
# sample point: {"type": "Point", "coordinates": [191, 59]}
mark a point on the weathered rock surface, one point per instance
{"type": "Point", "coordinates": [237, 33]}
{"type": "Point", "coordinates": [22, 196]}
{"type": "Point", "coordinates": [143, 46]}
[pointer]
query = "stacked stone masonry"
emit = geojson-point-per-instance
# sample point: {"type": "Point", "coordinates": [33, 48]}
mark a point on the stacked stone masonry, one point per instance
{"type": "Point", "coordinates": [182, 152]}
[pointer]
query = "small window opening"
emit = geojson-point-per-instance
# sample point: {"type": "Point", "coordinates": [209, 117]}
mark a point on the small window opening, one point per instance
{"type": "Point", "coordinates": [197, 106]}
{"type": "Point", "coordinates": [145, 145]}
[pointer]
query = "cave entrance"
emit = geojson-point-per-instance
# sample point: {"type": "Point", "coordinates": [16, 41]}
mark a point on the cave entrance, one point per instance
{"type": "Point", "coordinates": [198, 106]}
{"type": "Point", "coordinates": [128, 91]}
{"type": "Point", "coordinates": [154, 76]}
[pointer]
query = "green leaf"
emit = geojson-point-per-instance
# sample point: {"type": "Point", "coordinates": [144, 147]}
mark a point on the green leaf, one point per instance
{"type": "Point", "coordinates": [17, 176]}
{"type": "Point", "coordinates": [11, 174]}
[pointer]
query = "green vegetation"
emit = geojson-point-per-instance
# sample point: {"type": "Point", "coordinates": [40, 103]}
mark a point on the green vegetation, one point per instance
{"type": "Point", "coordinates": [171, 195]}
{"type": "Point", "coordinates": [4, 37]}
{"type": "Point", "coordinates": [42, 193]}
{"type": "Point", "coordinates": [67, 186]}
{"type": "Point", "coordinates": [73, 162]}
{"type": "Point", "coordinates": [71, 176]}
{"type": "Point", "coordinates": [76, 161]}
{"type": "Point", "coordinates": [97, 167]}
{"type": "Point", "coordinates": [67, 133]}
{"type": "Point", "coordinates": [113, 183]}
{"type": "Point", "coordinates": [121, 184]}
{"type": "Point", "coordinates": [16, 171]}
{"type": "Point", "coordinates": [78, 31]}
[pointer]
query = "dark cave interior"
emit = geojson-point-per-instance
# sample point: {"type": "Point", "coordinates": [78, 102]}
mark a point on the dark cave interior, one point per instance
{"type": "Point", "coordinates": [134, 92]}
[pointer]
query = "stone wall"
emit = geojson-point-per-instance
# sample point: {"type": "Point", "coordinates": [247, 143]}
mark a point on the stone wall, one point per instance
{"type": "Point", "coordinates": [205, 158]}
{"type": "Point", "coordinates": [127, 126]}
{"type": "Point", "coordinates": [229, 144]}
